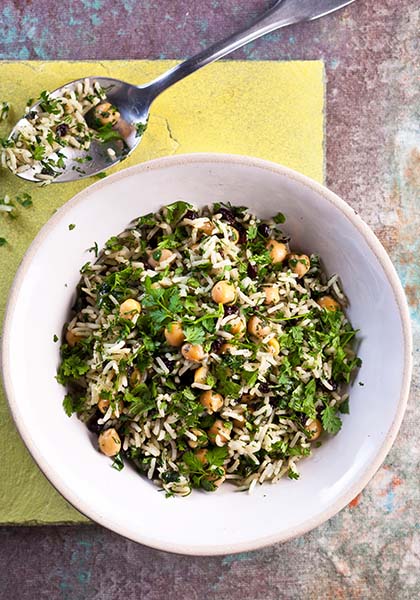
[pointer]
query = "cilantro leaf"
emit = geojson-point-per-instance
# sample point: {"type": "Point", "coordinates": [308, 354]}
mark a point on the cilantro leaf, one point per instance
{"type": "Point", "coordinates": [252, 232]}
{"type": "Point", "coordinates": [176, 210]}
{"type": "Point", "coordinates": [68, 405]}
{"type": "Point", "coordinates": [140, 128]}
{"type": "Point", "coordinates": [279, 218]}
{"type": "Point", "coordinates": [74, 364]}
{"type": "Point", "coordinates": [38, 152]}
{"type": "Point", "coordinates": [193, 463]}
{"type": "Point", "coordinates": [250, 377]}
{"type": "Point", "coordinates": [72, 367]}
{"type": "Point", "coordinates": [330, 421]}
{"type": "Point", "coordinates": [194, 334]}
{"type": "Point", "coordinates": [106, 133]}
{"type": "Point", "coordinates": [225, 385]}
{"type": "Point", "coordinates": [216, 456]}
{"type": "Point", "coordinates": [344, 407]}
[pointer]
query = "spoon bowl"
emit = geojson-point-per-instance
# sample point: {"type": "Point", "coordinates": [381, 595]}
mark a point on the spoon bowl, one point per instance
{"type": "Point", "coordinates": [133, 104]}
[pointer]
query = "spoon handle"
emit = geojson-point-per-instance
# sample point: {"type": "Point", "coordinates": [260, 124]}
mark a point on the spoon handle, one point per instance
{"type": "Point", "coordinates": [268, 21]}
{"type": "Point", "coordinates": [283, 13]}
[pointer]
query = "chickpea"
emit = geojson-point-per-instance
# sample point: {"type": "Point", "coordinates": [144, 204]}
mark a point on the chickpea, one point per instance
{"type": "Point", "coordinates": [135, 378]}
{"type": "Point", "coordinates": [226, 348]}
{"type": "Point", "coordinates": [273, 346]}
{"type": "Point", "coordinates": [257, 328]}
{"type": "Point", "coordinates": [328, 303]}
{"type": "Point", "coordinates": [106, 113]}
{"type": "Point", "coordinates": [200, 375]}
{"type": "Point", "coordinates": [223, 292]}
{"type": "Point", "coordinates": [315, 429]}
{"type": "Point", "coordinates": [272, 294]}
{"type": "Point", "coordinates": [219, 432]}
{"type": "Point", "coordinates": [278, 251]}
{"type": "Point", "coordinates": [211, 401]}
{"type": "Point", "coordinates": [202, 455]}
{"type": "Point", "coordinates": [237, 326]}
{"type": "Point", "coordinates": [201, 438]}
{"type": "Point", "coordinates": [207, 227]}
{"type": "Point", "coordinates": [299, 263]}
{"type": "Point", "coordinates": [249, 399]}
{"type": "Point", "coordinates": [103, 406]}
{"type": "Point", "coordinates": [174, 334]}
{"type": "Point", "coordinates": [72, 338]}
{"type": "Point", "coordinates": [193, 352]}
{"type": "Point", "coordinates": [239, 422]}
{"type": "Point", "coordinates": [129, 309]}
{"type": "Point", "coordinates": [164, 255]}
{"type": "Point", "coordinates": [109, 442]}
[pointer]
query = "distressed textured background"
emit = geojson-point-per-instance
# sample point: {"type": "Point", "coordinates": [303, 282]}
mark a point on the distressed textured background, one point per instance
{"type": "Point", "coordinates": [372, 548]}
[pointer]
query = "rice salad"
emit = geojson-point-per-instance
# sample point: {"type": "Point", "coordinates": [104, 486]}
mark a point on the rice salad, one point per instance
{"type": "Point", "coordinates": [71, 120]}
{"type": "Point", "coordinates": [204, 349]}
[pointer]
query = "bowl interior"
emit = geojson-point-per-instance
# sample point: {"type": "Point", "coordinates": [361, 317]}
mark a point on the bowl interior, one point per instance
{"type": "Point", "coordinates": [226, 521]}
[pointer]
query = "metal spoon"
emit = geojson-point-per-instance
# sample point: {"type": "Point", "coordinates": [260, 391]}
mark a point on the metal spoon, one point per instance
{"type": "Point", "coordinates": [134, 102]}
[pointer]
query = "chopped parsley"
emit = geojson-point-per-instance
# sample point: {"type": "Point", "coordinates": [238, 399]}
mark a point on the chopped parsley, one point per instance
{"type": "Point", "coordinates": [94, 249]}
{"type": "Point", "coordinates": [72, 226]}
{"type": "Point", "coordinates": [140, 128]}
{"type": "Point", "coordinates": [4, 110]}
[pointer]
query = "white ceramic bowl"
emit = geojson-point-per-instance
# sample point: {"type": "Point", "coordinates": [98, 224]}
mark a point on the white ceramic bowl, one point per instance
{"type": "Point", "coordinates": [227, 521]}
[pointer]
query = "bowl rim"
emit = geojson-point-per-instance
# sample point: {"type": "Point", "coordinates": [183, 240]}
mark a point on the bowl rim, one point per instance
{"type": "Point", "coordinates": [375, 246]}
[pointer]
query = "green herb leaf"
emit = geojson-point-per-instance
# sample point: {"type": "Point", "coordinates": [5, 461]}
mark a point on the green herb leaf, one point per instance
{"type": "Point", "coordinates": [118, 463]}
{"type": "Point", "coordinates": [330, 421]}
{"type": "Point", "coordinates": [344, 407]}
{"type": "Point", "coordinates": [114, 244]}
{"type": "Point", "coordinates": [4, 110]}
{"type": "Point", "coordinates": [193, 463]}
{"type": "Point", "coordinates": [106, 133]}
{"type": "Point", "coordinates": [38, 152]}
{"type": "Point", "coordinates": [194, 334]}
{"type": "Point", "coordinates": [25, 200]}
{"type": "Point", "coordinates": [175, 211]}
{"type": "Point", "coordinates": [292, 474]}
{"type": "Point", "coordinates": [216, 456]}
{"type": "Point", "coordinates": [94, 249]}
{"type": "Point", "coordinates": [68, 405]}
{"type": "Point", "coordinates": [72, 404]}
{"type": "Point", "coordinates": [71, 226]}
{"type": "Point", "coordinates": [252, 233]}
{"type": "Point", "coordinates": [140, 128]}
{"type": "Point", "coordinates": [279, 218]}
{"type": "Point", "coordinates": [3, 241]}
